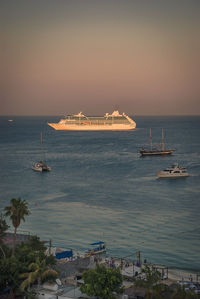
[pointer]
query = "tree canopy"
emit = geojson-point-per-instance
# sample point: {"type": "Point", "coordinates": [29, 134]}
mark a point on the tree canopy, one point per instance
{"type": "Point", "coordinates": [12, 267]}
{"type": "Point", "coordinates": [151, 278]}
{"type": "Point", "coordinates": [3, 228]}
{"type": "Point", "coordinates": [38, 271]}
{"type": "Point", "coordinates": [17, 211]}
{"type": "Point", "coordinates": [102, 282]}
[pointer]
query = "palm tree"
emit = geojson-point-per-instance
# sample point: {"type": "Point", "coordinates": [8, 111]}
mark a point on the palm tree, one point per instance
{"type": "Point", "coordinates": [17, 211]}
{"type": "Point", "coordinates": [38, 272]}
{"type": "Point", "coordinates": [3, 229]}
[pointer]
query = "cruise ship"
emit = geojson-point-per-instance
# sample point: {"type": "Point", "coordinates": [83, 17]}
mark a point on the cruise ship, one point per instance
{"type": "Point", "coordinates": [108, 122]}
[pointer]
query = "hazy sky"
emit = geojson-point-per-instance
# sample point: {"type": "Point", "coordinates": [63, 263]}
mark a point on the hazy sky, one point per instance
{"type": "Point", "coordinates": [65, 56]}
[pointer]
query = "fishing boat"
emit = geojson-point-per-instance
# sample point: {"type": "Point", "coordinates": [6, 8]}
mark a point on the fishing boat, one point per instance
{"type": "Point", "coordinates": [41, 165]}
{"type": "Point", "coordinates": [98, 247]}
{"type": "Point", "coordinates": [156, 151]}
{"type": "Point", "coordinates": [108, 122]}
{"type": "Point", "coordinates": [175, 171]}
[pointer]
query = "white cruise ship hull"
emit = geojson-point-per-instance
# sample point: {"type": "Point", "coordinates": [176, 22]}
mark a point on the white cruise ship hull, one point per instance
{"type": "Point", "coordinates": [109, 122]}
{"type": "Point", "coordinates": [114, 127]}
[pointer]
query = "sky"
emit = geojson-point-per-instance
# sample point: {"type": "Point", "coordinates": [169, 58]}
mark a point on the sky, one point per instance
{"type": "Point", "coordinates": [60, 57]}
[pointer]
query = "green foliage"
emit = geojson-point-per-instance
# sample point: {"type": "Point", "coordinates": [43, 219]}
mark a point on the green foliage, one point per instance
{"type": "Point", "coordinates": [26, 254]}
{"type": "Point", "coordinates": [38, 271]}
{"type": "Point", "coordinates": [180, 293]}
{"type": "Point", "coordinates": [153, 294]}
{"type": "Point", "coordinates": [102, 282]}
{"type": "Point", "coordinates": [155, 290]}
{"type": "Point", "coordinates": [51, 260]}
{"type": "Point", "coordinates": [10, 269]}
{"type": "Point", "coordinates": [151, 278]}
{"type": "Point", "coordinates": [3, 228]}
{"type": "Point", "coordinates": [34, 249]}
{"type": "Point", "coordinates": [17, 211]}
{"type": "Point", "coordinates": [36, 244]}
{"type": "Point", "coordinates": [29, 259]}
{"type": "Point", "coordinates": [5, 251]}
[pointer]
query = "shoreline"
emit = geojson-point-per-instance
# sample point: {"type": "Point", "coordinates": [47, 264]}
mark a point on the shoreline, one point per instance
{"type": "Point", "coordinates": [174, 274]}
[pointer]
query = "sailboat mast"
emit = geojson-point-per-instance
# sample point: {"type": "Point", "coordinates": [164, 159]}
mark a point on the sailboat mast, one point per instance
{"type": "Point", "coordinates": [162, 141]}
{"type": "Point", "coordinates": [150, 140]}
{"type": "Point", "coordinates": [41, 138]}
{"type": "Point", "coordinates": [42, 149]}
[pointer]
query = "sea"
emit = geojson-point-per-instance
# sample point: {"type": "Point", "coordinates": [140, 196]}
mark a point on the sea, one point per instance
{"type": "Point", "coordinates": [99, 188]}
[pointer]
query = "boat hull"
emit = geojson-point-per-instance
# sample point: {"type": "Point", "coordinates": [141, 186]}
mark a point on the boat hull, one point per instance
{"type": "Point", "coordinates": [112, 127]}
{"type": "Point", "coordinates": [40, 169]}
{"type": "Point", "coordinates": [92, 252]}
{"type": "Point", "coordinates": [156, 153]}
{"type": "Point", "coordinates": [172, 176]}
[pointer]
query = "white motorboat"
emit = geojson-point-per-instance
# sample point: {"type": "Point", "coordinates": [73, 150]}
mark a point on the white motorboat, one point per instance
{"type": "Point", "coordinates": [175, 171]}
{"type": "Point", "coordinates": [41, 166]}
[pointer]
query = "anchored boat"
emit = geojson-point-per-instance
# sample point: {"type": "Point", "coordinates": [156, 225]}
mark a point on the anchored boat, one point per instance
{"type": "Point", "coordinates": [175, 171]}
{"type": "Point", "coordinates": [98, 247]}
{"type": "Point", "coordinates": [108, 122]}
{"type": "Point", "coordinates": [41, 165]}
{"type": "Point", "coordinates": [155, 152]}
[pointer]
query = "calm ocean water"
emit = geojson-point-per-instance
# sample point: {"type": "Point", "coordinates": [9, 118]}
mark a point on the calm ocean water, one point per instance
{"type": "Point", "coordinates": [100, 188]}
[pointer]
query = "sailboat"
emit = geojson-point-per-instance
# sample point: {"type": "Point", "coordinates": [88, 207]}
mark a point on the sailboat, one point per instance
{"type": "Point", "coordinates": [41, 165]}
{"type": "Point", "coordinates": [154, 152]}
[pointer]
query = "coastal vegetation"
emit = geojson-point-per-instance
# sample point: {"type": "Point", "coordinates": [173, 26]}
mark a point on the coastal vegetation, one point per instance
{"type": "Point", "coordinates": [38, 271]}
{"type": "Point", "coordinates": [155, 289]}
{"type": "Point", "coordinates": [17, 211]}
{"type": "Point", "coordinates": [102, 282]}
{"type": "Point", "coordinates": [28, 262]}
{"type": "Point", "coordinates": [180, 293]}
{"type": "Point", "coordinates": [150, 279]}
{"type": "Point", "coordinates": [28, 265]}
{"type": "Point", "coordinates": [3, 228]}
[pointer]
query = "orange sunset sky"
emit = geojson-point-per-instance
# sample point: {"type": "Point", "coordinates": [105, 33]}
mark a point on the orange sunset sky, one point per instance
{"type": "Point", "coordinates": [61, 57]}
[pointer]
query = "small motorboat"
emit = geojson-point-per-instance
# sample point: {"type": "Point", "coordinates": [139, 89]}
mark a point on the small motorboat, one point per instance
{"type": "Point", "coordinates": [99, 247]}
{"type": "Point", "coordinates": [40, 166]}
{"type": "Point", "coordinates": [175, 171]}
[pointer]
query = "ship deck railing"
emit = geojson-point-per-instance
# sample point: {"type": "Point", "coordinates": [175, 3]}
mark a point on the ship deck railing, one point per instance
{"type": "Point", "coordinates": [97, 122]}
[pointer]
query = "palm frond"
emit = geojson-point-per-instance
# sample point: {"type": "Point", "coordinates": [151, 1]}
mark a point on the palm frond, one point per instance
{"type": "Point", "coordinates": [24, 275]}
{"type": "Point", "coordinates": [49, 273]}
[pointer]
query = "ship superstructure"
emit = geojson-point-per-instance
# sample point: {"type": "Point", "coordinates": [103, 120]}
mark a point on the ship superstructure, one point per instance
{"type": "Point", "coordinates": [108, 122]}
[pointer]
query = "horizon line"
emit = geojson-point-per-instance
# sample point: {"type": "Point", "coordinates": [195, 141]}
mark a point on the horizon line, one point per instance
{"type": "Point", "coordinates": [131, 114]}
